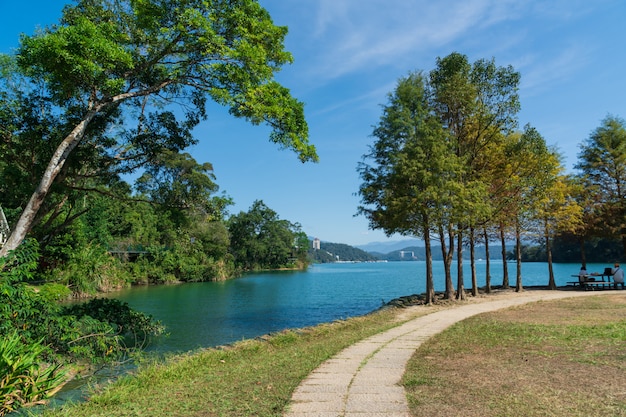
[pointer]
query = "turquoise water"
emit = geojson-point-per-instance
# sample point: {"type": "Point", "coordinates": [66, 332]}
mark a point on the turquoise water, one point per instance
{"type": "Point", "coordinates": [217, 313]}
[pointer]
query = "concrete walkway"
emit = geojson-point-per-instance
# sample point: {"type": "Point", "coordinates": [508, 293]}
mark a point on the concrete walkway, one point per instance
{"type": "Point", "coordinates": [364, 379]}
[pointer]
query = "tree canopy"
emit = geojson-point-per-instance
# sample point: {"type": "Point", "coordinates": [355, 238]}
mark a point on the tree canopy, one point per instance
{"type": "Point", "coordinates": [438, 142]}
{"type": "Point", "coordinates": [602, 162]}
{"type": "Point", "coordinates": [116, 83]}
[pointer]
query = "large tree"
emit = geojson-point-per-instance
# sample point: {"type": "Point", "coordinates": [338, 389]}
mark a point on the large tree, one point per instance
{"type": "Point", "coordinates": [409, 175]}
{"type": "Point", "coordinates": [557, 211]}
{"type": "Point", "coordinates": [259, 239]}
{"type": "Point", "coordinates": [602, 161]}
{"type": "Point", "coordinates": [109, 70]}
{"type": "Point", "coordinates": [477, 103]}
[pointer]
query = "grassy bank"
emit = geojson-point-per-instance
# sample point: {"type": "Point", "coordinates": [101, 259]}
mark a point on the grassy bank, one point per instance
{"type": "Point", "coordinates": [250, 378]}
{"type": "Point", "coordinates": [561, 358]}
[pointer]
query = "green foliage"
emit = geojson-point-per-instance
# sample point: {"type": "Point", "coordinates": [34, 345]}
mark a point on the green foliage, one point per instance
{"type": "Point", "coordinates": [602, 162]}
{"type": "Point", "coordinates": [100, 331]}
{"type": "Point", "coordinates": [21, 308]}
{"type": "Point", "coordinates": [19, 265]}
{"type": "Point", "coordinates": [188, 257]}
{"type": "Point", "coordinates": [23, 379]}
{"type": "Point", "coordinates": [107, 60]}
{"type": "Point", "coordinates": [24, 311]}
{"type": "Point", "coordinates": [177, 180]}
{"type": "Point", "coordinates": [261, 240]}
{"type": "Point", "coordinates": [106, 322]}
{"type": "Point", "coordinates": [54, 292]}
{"type": "Point", "coordinates": [90, 269]}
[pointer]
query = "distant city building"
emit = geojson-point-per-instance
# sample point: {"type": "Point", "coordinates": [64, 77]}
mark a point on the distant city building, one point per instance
{"type": "Point", "coordinates": [316, 243]}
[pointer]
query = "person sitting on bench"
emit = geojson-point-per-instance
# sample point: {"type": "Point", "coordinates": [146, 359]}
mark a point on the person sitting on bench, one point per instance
{"type": "Point", "coordinates": [582, 274]}
{"type": "Point", "coordinates": [618, 276]}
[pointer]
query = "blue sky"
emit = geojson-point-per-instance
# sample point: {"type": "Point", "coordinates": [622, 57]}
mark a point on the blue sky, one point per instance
{"type": "Point", "coordinates": [349, 55]}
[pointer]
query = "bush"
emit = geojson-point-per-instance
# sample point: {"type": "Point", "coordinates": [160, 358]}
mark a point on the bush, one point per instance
{"type": "Point", "coordinates": [89, 270]}
{"type": "Point", "coordinates": [123, 321]}
{"type": "Point", "coordinates": [55, 292]}
{"type": "Point", "coordinates": [96, 331]}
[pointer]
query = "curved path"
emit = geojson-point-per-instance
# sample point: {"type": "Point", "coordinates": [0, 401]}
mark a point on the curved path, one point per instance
{"type": "Point", "coordinates": [363, 380]}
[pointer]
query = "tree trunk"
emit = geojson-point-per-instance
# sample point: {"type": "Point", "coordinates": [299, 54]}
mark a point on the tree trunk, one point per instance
{"type": "Point", "coordinates": [460, 287]}
{"type": "Point", "coordinates": [25, 222]}
{"type": "Point", "coordinates": [430, 288]}
{"type": "Point", "coordinates": [447, 263]}
{"type": "Point", "coordinates": [583, 254]}
{"type": "Point", "coordinates": [518, 257]}
{"type": "Point", "coordinates": [551, 282]}
{"type": "Point", "coordinates": [487, 263]}
{"type": "Point", "coordinates": [473, 263]}
{"type": "Point", "coordinates": [505, 267]}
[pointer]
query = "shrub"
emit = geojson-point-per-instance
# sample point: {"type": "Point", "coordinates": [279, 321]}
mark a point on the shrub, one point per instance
{"type": "Point", "coordinates": [90, 269]}
{"type": "Point", "coordinates": [121, 321]}
{"type": "Point", "coordinates": [94, 331]}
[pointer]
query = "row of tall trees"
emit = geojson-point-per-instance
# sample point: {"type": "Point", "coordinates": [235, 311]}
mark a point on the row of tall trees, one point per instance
{"type": "Point", "coordinates": [450, 163]}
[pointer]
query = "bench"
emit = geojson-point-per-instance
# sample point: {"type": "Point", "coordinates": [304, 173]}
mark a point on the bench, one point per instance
{"type": "Point", "coordinates": [593, 281]}
{"type": "Point", "coordinates": [592, 285]}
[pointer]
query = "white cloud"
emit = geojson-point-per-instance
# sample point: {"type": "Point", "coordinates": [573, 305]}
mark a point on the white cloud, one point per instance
{"type": "Point", "coordinates": [541, 71]}
{"type": "Point", "coordinates": [359, 35]}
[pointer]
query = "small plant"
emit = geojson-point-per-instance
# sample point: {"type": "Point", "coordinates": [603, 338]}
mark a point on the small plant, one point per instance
{"type": "Point", "coordinates": [23, 380]}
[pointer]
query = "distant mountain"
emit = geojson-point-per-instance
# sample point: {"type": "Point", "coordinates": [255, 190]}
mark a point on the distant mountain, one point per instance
{"type": "Point", "coordinates": [387, 247]}
{"type": "Point", "coordinates": [401, 250]}
{"type": "Point", "coordinates": [333, 252]}
{"type": "Point", "coordinates": [417, 253]}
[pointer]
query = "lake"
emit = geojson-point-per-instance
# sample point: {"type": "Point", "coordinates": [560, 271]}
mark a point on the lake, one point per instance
{"type": "Point", "coordinates": [217, 313]}
{"type": "Point", "coordinates": [211, 314]}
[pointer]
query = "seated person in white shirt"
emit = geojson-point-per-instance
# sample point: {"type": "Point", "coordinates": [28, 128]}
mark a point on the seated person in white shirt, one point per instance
{"type": "Point", "coordinates": [618, 275]}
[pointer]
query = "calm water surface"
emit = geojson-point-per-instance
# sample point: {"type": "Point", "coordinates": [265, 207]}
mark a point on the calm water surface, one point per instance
{"type": "Point", "coordinates": [217, 313]}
